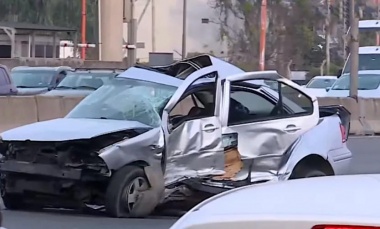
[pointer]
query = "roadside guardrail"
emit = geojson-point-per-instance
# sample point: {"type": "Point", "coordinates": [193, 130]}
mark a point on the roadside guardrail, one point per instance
{"type": "Point", "coordinates": [16, 111]}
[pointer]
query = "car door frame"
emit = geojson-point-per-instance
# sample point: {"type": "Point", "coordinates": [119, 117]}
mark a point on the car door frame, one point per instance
{"type": "Point", "coordinates": [215, 154]}
{"type": "Point", "coordinates": [9, 88]}
{"type": "Point", "coordinates": [262, 158]}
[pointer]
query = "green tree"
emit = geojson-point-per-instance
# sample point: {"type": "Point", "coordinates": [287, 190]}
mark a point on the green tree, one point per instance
{"type": "Point", "coordinates": [66, 13]}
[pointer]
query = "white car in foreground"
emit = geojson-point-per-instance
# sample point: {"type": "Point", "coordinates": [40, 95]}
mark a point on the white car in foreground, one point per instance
{"type": "Point", "coordinates": [318, 85]}
{"type": "Point", "coordinates": [335, 202]}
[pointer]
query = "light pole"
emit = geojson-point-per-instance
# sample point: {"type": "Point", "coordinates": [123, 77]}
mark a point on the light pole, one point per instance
{"type": "Point", "coordinates": [327, 36]}
{"type": "Point", "coordinates": [184, 29]}
{"type": "Point", "coordinates": [354, 50]}
{"type": "Point", "coordinates": [153, 25]}
{"type": "Point", "coordinates": [132, 32]}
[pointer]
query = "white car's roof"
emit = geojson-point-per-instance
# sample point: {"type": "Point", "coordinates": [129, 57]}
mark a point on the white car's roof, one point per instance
{"type": "Point", "coordinates": [325, 77]}
{"type": "Point", "coordinates": [335, 196]}
{"type": "Point", "coordinates": [365, 72]}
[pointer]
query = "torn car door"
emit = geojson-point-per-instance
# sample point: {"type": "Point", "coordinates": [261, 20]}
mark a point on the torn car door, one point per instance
{"type": "Point", "coordinates": [193, 147]}
{"type": "Point", "coordinates": [266, 138]}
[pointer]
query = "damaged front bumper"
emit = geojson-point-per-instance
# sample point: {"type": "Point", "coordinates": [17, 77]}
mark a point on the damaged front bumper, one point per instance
{"type": "Point", "coordinates": [40, 169]}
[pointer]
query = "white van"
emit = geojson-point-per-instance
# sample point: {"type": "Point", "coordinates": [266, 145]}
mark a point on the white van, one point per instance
{"type": "Point", "coordinates": [369, 59]}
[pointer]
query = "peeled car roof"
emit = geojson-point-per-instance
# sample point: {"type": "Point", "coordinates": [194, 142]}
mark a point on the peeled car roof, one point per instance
{"type": "Point", "coordinates": [223, 68]}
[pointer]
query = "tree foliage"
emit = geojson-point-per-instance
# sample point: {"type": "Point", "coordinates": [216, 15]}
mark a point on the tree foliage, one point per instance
{"type": "Point", "coordinates": [293, 34]}
{"type": "Point", "coordinates": [65, 13]}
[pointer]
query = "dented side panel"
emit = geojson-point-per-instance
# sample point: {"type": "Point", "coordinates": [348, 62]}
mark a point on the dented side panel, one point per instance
{"type": "Point", "coordinates": [146, 147]}
{"type": "Point", "coordinates": [196, 150]}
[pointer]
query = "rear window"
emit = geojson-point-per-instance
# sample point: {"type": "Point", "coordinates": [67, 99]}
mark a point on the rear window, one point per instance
{"type": "Point", "coordinates": [366, 62]}
{"type": "Point", "coordinates": [366, 82]}
{"type": "Point", "coordinates": [320, 83]}
{"type": "Point", "coordinates": [75, 80]}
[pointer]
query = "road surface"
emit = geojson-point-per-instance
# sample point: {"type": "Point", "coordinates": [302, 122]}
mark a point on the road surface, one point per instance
{"type": "Point", "coordinates": [366, 159]}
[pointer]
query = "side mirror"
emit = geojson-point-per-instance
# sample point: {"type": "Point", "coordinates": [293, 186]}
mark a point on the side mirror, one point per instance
{"type": "Point", "coordinates": [328, 89]}
{"type": "Point", "coordinates": [339, 73]}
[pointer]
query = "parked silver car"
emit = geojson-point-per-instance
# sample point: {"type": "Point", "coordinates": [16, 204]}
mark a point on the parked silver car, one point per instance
{"type": "Point", "coordinates": [198, 126]}
{"type": "Point", "coordinates": [83, 81]}
{"type": "Point", "coordinates": [37, 80]}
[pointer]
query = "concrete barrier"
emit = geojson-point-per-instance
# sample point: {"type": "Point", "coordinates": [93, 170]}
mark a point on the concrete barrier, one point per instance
{"type": "Point", "coordinates": [21, 110]}
{"type": "Point", "coordinates": [363, 114]}
{"type": "Point", "coordinates": [17, 111]}
{"type": "Point", "coordinates": [68, 103]}
{"type": "Point", "coordinates": [49, 107]}
{"type": "Point", "coordinates": [52, 107]}
{"type": "Point", "coordinates": [371, 108]}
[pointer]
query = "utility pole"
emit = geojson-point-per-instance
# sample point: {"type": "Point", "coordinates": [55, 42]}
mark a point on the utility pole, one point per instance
{"type": "Point", "coordinates": [132, 34]}
{"type": "Point", "coordinates": [184, 29]}
{"type": "Point", "coordinates": [354, 50]}
{"type": "Point", "coordinates": [327, 37]}
{"type": "Point", "coordinates": [263, 33]}
{"type": "Point", "coordinates": [346, 26]}
{"type": "Point", "coordinates": [378, 17]}
{"type": "Point", "coordinates": [153, 25]}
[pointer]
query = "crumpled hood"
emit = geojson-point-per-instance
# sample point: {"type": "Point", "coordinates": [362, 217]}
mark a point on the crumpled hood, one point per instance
{"type": "Point", "coordinates": [31, 91]}
{"type": "Point", "coordinates": [65, 129]}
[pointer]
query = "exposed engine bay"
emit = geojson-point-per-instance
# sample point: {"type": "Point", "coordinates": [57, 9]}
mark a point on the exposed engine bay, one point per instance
{"type": "Point", "coordinates": [71, 170]}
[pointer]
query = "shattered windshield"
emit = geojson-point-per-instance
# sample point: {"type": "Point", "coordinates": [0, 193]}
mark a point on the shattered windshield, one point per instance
{"type": "Point", "coordinates": [126, 99]}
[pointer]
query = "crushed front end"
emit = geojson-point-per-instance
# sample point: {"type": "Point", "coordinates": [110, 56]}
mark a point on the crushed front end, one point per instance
{"type": "Point", "coordinates": [67, 174]}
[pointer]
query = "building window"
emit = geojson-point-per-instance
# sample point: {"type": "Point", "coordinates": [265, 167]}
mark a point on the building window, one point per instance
{"type": "Point", "coordinates": [46, 51]}
{"type": "Point", "coordinates": [40, 51]}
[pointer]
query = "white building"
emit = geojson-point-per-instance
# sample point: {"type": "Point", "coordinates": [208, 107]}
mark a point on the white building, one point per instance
{"type": "Point", "coordinates": [168, 32]}
{"type": "Point", "coordinates": [30, 40]}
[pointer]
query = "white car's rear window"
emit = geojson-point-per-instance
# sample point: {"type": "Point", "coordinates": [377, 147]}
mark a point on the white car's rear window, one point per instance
{"type": "Point", "coordinates": [320, 83]}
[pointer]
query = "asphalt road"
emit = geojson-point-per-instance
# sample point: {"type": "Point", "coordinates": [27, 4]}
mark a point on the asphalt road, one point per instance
{"type": "Point", "coordinates": [366, 159]}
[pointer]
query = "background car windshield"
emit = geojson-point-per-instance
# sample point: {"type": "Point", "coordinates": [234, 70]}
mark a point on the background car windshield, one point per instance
{"type": "Point", "coordinates": [126, 99]}
{"type": "Point", "coordinates": [86, 80]}
{"type": "Point", "coordinates": [320, 83]}
{"type": "Point", "coordinates": [32, 78]}
{"type": "Point", "coordinates": [366, 82]}
{"type": "Point", "coordinates": [366, 62]}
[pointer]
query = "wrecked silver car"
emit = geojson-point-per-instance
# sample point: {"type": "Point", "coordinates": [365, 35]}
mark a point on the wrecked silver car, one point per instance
{"type": "Point", "coordinates": [162, 134]}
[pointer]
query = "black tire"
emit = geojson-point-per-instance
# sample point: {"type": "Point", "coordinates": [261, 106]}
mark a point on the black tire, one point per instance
{"type": "Point", "coordinates": [116, 201]}
{"type": "Point", "coordinates": [13, 201]}
{"type": "Point", "coordinates": [303, 172]}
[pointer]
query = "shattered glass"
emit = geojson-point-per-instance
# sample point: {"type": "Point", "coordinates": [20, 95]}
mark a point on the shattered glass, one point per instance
{"type": "Point", "coordinates": [126, 99]}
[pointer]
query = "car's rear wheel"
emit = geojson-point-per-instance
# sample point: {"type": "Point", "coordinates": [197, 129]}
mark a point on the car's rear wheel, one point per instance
{"type": "Point", "coordinates": [13, 201]}
{"type": "Point", "coordinates": [304, 172]}
{"type": "Point", "coordinates": [123, 191]}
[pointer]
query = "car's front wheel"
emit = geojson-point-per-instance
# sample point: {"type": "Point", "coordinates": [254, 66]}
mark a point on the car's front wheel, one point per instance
{"type": "Point", "coordinates": [124, 190]}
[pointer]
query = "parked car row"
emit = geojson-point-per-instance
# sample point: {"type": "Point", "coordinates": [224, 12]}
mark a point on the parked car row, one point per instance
{"type": "Point", "coordinates": [63, 80]}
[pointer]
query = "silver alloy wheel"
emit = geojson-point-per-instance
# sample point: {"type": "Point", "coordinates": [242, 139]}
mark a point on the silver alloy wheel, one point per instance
{"type": "Point", "coordinates": [132, 191]}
